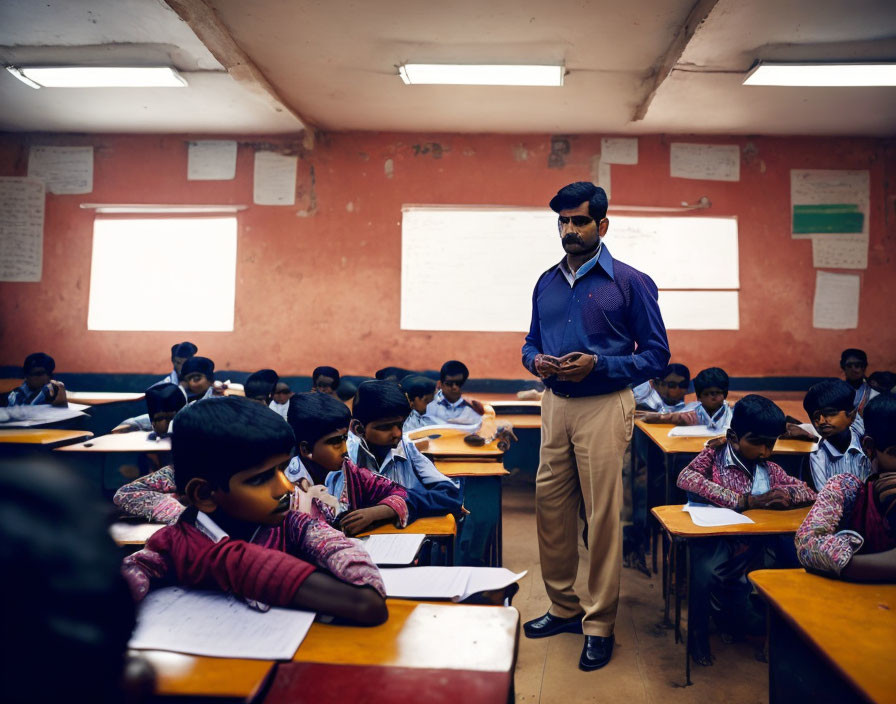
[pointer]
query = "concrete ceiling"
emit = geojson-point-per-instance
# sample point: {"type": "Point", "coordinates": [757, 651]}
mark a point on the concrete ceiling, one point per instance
{"type": "Point", "coordinates": [268, 66]}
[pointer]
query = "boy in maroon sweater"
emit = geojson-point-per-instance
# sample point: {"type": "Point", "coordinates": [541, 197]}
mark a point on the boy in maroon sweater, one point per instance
{"type": "Point", "coordinates": [239, 534]}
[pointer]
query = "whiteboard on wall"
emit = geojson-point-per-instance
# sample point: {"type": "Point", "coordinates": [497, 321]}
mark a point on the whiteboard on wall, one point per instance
{"type": "Point", "coordinates": [474, 268]}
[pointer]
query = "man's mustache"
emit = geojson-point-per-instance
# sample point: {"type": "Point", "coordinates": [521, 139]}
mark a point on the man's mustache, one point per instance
{"type": "Point", "coordinates": [572, 239]}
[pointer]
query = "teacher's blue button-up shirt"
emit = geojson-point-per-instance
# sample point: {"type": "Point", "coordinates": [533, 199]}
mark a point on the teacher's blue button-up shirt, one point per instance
{"type": "Point", "coordinates": [608, 309]}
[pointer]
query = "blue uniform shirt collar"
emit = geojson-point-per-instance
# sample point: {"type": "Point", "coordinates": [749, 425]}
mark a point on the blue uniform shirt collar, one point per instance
{"type": "Point", "coordinates": [441, 400]}
{"type": "Point", "coordinates": [601, 258]}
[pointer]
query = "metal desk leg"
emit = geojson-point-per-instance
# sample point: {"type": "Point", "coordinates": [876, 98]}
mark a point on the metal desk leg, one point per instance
{"type": "Point", "coordinates": [668, 468]}
{"type": "Point", "coordinates": [678, 591]}
{"type": "Point", "coordinates": [499, 525]}
{"type": "Point", "coordinates": [687, 647]}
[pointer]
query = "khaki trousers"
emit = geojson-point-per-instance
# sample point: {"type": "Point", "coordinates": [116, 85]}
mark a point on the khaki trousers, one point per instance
{"type": "Point", "coordinates": [582, 444]}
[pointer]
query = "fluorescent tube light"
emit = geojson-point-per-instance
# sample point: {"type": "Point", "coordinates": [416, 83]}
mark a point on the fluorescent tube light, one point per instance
{"type": "Point", "coordinates": [822, 74]}
{"type": "Point", "coordinates": [98, 76]}
{"type": "Point", "coordinates": [481, 75]}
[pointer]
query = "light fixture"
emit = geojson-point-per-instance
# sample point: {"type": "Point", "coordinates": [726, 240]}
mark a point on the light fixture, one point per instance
{"type": "Point", "coordinates": [822, 74]}
{"type": "Point", "coordinates": [98, 76]}
{"type": "Point", "coordinates": [481, 74]}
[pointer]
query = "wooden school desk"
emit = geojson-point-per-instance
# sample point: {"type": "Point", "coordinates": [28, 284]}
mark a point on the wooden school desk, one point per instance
{"type": "Point", "coordinates": [448, 442]}
{"type": "Point", "coordinates": [100, 398]}
{"type": "Point", "coordinates": [829, 640]}
{"type": "Point", "coordinates": [221, 679]}
{"type": "Point", "coordinates": [678, 525]}
{"type": "Point", "coordinates": [137, 441]}
{"type": "Point", "coordinates": [40, 438]}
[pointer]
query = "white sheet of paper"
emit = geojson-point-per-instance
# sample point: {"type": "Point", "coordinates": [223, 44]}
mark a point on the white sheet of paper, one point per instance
{"type": "Point", "coordinates": [809, 428]}
{"type": "Point", "coordinates": [211, 160]}
{"type": "Point", "coordinates": [619, 150]}
{"type": "Point", "coordinates": [134, 531]}
{"type": "Point", "coordinates": [217, 625]}
{"type": "Point", "coordinates": [694, 431]}
{"type": "Point", "coordinates": [275, 179]}
{"type": "Point", "coordinates": [711, 162]}
{"type": "Point", "coordinates": [394, 548]}
{"type": "Point", "coordinates": [21, 229]}
{"type": "Point", "coordinates": [840, 251]}
{"type": "Point", "coordinates": [711, 516]}
{"type": "Point", "coordinates": [836, 304]}
{"type": "Point", "coordinates": [455, 583]}
{"type": "Point", "coordinates": [63, 169]}
{"type": "Point", "coordinates": [28, 416]}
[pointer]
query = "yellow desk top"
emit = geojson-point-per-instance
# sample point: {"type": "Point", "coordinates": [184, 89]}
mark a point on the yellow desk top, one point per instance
{"type": "Point", "coordinates": [521, 420]}
{"type": "Point", "coordinates": [450, 442]}
{"type": "Point", "coordinates": [659, 434]}
{"type": "Point", "coordinates": [137, 441]}
{"type": "Point", "coordinates": [470, 468]}
{"type": "Point", "coordinates": [431, 525]}
{"type": "Point", "coordinates": [194, 676]}
{"type": "Point", "coordinates": [45, 437]}
{"type": "Point", "coordinates": [98, 398]}
{"type": "Point", "coordinates": [767, 522]}
{"type": "Point", "coordinates": [852, 625]}
{"type": "Point", "coordinates": [124, 533]}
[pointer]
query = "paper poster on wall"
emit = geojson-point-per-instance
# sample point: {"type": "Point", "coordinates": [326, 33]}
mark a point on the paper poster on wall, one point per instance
{"type": "Point", "coordinates": [211, 160]}
{"type": "Point", "coordinates": [619, 150]}
{"type": "Point", "coordinates": [836, 304]}
{"type": "Point", "coordinates": [21, 229]}
{"type": "Point", "coordinates": [63, 169]}
{"type": "Point", "coordinates": [840, 251]}
{"type": "Point", "coordinates": [604, 179]}
{"type": "Point", "coordinates": [275, 179]}
{"type": "Point", "coordinates": [711, 162]}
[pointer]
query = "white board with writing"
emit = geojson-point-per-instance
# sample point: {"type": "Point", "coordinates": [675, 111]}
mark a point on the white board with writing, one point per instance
{"type": "Point", "coordinates": [211, 160]}
{"type": "Point", "coordinates": [836, 304]}
{"type": "Point", "coordinates": [275, 179]}
{"type": "Point", "coordinates": [64, 169]}
{"type": "Point", "coordinates": [21, 229]}
{"type": "Point", "coordinates": [711, 162]}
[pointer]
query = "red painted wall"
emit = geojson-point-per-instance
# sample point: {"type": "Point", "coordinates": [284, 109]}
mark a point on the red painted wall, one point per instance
{"type": "Point", "coordinates": [320, 282]}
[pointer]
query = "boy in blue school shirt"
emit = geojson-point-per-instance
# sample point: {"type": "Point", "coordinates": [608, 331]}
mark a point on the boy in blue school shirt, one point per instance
{"type": "Point", "coordinates": [831, 407]}
{"type": "Point", "coordinates": [449, 405]}
{"type": "Point", "coordinates": [420, 391]}
{"type": "Point", "coordinates": [38, 387]}
{"type": "Point", "coordinates": [377, 443]}
{"type": "Point", "coordinates": [854, 363]}
{"type": "Point", "coordinates": [197, 378]}
{"type": "Point", "coordinates": [325, 380]}
{"type": "Point", "coordinates": [180, 353]}
{"type": "Point", "coordinates": [666, 393]}
{"type": "Point", "coordinates": [712, 410]}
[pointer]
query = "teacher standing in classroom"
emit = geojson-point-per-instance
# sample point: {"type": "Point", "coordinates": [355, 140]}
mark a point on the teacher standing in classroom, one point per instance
{"type": "Point", "coordinates": [596, 331]}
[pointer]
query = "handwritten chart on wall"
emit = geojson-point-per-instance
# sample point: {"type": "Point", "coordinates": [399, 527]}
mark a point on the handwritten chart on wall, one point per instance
{"type": "Point", "coordinates": [21, 229]}
{"type": "Point", "coordinates": [474, 269]}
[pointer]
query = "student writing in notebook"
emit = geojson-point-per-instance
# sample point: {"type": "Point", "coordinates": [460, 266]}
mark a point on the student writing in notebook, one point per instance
{"type": "Point", "coordinates": [39, 387]}
{"type": "Point", "coordinates": [712, 410]}
{"type": "Point", "coordinates": [239, 534]}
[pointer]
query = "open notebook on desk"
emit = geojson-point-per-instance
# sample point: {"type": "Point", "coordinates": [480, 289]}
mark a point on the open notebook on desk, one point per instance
{"type": "Point", "coordinates": [394, 548]}
{"type": "Point", "coordinates": [454, 583]}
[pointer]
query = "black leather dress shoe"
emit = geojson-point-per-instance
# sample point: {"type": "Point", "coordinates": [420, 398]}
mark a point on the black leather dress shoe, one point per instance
{"type": "Point", "coordinates": [596, 653]}
{"type": "Point", "coordinates": [549, 625]}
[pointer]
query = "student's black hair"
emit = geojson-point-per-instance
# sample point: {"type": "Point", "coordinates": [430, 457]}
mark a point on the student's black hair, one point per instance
{"type": "Point", "coordinates": [573, 195]}
{"type": "Point", "coordinates": [677, 369]}
{"type": "Point", "coordinates": [312, 415]}
{"type": "Point", "coordinates": [183, 349]}
{"type": "Point", "coordinates": [392, 373]}
{"type": "Point", "coordinates": [853, 352]}
{"type": "Point", "coordinates": [880, 421]}
{"type": "Point", "coordinates": [376, 399]}
{"type": "Point", "coordinates": [830, 393]}
{"type": "Point", "coordinates": [713, 376]}
{"type": "Point", "coordinates": [417, 386]}
{"type": "Point", "coordinates": [346, 390]}
{"type": "Point", "coordinates": [887, 380]}
{"type": "Point", "coordinates": [164, 398]}
{"type": "Point", "coordinates": [39, 359]}
{"type": "Point", "coordinates": [757, 415]}
{"type": "Point", "coordinates": [215, 438]}
{"type": "Point", "coordinates": [331, 372]}
{"type": "Point", "coordinates": [451, 368]}
{"type": "Point", "coordinates": [62, 595]}
{"type": "Point", "coordinates": [261, 384]}
{"type": "Point", "coordinates": [201, 365]}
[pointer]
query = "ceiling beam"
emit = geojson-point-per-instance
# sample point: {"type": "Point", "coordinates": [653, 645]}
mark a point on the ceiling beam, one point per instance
{"type": "Point", "coordinates": [212, 32]}
{"type": "Point", "coordinates": [664, 65]}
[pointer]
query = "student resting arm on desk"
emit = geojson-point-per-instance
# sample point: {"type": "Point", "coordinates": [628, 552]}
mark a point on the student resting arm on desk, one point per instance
{"type": "Point", "coordinates": [38, 387]}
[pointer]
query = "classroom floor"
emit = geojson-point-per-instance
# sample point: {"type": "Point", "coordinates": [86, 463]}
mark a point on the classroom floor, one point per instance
{"type": "Point", "coordinates": [647, 665]}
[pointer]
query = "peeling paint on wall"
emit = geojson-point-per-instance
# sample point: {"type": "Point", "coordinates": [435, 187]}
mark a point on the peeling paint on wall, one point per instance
{"type": "Point", "coordinates": [559, 151]}
{"type": "Point", "coordinates": [389, 168]}
{"type": "Point", "coordinates": [520, 153]}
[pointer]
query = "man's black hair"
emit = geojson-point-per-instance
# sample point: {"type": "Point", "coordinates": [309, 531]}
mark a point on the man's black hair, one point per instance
{"type": "Point", "coordinates": [714, 376]}
{"type": "Point", "coordinates": [573, 195]}
{"type": "Point", "coordinates": [261, 384]}
{"type": "Point", "coordinates": [62, 591]}
{"type": "Point", "coordinates": [886, 380]}
{"type": "Point", "coordinates": [215, 438]}
{"type": "Point", "coordinates": [880, 421]}
{"type": "Point", "coordinates": [853, 352]}
{"type": "Point", "coordinates": [376, 399]}
{"type": "Point", "coordinates": [183, 349]}
{"type": "Point", "coordinates": [453, 368]}
{"type": "Point", "coordinates": [331, 372]}
{"type": "Point", "coordinates": [677, 369]}
{"type": "Point", "coordinates": [757, 415]}
{"type": "Point", "coordinates": [392, 373]}
{"type": "Point", "coordinates": [200, 365]}
{"type": "Point", "coordinates": [164, 398]}
{"type": "Point", "coordinates": [417, 386]}
{"type": "Point", "coordinates": [312, 415]}
{"type": "Point", "coordinates": [39, 359]}
{"type": "Point", "coordinates": [830, 393]}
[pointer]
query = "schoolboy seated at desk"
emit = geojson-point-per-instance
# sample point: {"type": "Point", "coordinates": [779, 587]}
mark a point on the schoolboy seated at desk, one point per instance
{"type": "Point", "coordinates": [448, 404]}
{"type": "Point", "coordinates": [376, 441]}
{"type": "Point", "coordinates": [712, 410]}
{"type": "Point", "coordinates": [280, 400]}
{"type": "Point", "coordinates": [830, 406]}
{"type": "Point", "coordinates": [850, 532]}
{"type": "Point", "coordinates": [180, 353]}
{"type": "Point", "coordinates": [666, 393]}
{"type": "Point", "coordinates": [737, 475]}
{"type": "Point", "coordinates": [325, 380]}
{"type": "Point", "coordinates": [259, 386]}
{"type": "Point", "coordinates": [38, 388]}
{"type": "Point", "coordinates": [163, 401]}
{"type": "Point", "coordinates": [239, 534]}
{"type": "Point", "coordinates": [854, 363]}
{"type": "Point", "coordinates": [197, 378]}
{"type": "Point", "coordinates": [882, 382]}
{"type": "Point", "coordinates": [420, 391]}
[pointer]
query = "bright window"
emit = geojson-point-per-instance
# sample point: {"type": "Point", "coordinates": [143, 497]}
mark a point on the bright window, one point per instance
{"type": "Point", "coordinates": [163, 273]}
